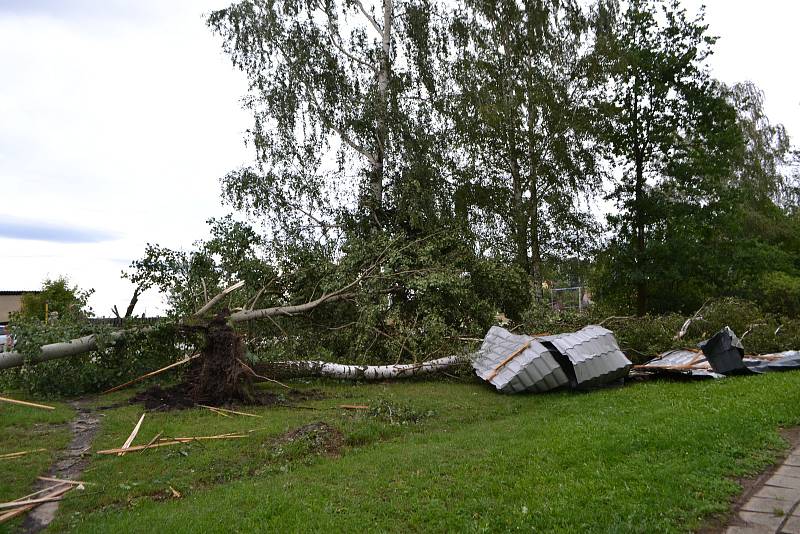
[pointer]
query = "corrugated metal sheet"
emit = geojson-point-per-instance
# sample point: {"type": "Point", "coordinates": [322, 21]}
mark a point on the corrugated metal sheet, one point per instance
{"type": "Point", "coordinates": [514, 363]}
{"type": "Point", "coordinates": [696, 365]}
{"type": "Point", "coordinates": [594, 354]}
{"type": "Point", "coordinates": [534, 368]}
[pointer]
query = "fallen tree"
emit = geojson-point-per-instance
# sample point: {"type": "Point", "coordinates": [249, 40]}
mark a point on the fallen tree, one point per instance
{"type": "Point", "coordinates": [305, 368]}
{"type": "Point", "coordinates": [220, 373]}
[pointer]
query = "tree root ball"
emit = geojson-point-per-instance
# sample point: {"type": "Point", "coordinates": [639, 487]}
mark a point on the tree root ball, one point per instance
{"type": "Point", "coordinates": [218, 376]}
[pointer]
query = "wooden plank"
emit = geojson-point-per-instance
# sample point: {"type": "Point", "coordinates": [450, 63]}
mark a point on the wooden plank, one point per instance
{"type": "Point", "coordinates": [167, 443]}
{"type": "Point", "coordinates": [133, 435]}
{"type": "Point", "coordinates": [216, 408]}
{"type": "Point", "coordinates": [20, 453]}
{"type": "Point", "coordinates": [24, 403]}
{"type": "Point", "coordinates": [353, 407]}
{"type": "Point", "coordinates": [152, 373]}
{"type": "Point", "coordinates": [513, 355]}
{"type": "Point", "coordinates": [65, 481]}
{"type": "Point", "coordinates": [17, 504]}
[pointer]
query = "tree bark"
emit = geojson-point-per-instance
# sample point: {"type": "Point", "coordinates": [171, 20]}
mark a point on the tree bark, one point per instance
{"type": "Point", "coordinates": [357, 372]}
{"type": "Point", "coordinates": [381, 126]}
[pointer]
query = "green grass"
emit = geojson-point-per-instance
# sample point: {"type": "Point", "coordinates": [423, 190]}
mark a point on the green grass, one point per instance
{"type": "Point", "coordinates": [648, 457]}
{"type": "Point", "coordinates": [24, 428]}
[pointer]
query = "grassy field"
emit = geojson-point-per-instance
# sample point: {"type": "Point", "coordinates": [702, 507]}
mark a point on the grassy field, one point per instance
{"type": "Point", "coordinates": [437, 456]}
{"type": "Point", "coordinates": [26, 429]}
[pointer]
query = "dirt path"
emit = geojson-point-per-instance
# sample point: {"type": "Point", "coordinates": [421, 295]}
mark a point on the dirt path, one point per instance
{"type": "Point", "coordinates": [70, 464]}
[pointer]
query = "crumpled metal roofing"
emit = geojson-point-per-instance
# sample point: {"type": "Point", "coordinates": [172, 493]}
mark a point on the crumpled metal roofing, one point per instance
{"type": "Point", "coordinates": [695, 364]}
{"type": "Point", "coordinates": [594, 354]}
{"type": "Point", "coordinates": [514, 363]}
{"type": "Point", "coordinates": [534, 369]}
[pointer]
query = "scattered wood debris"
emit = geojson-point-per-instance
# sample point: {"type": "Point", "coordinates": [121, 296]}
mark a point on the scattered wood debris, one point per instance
{"type": "Point", "coordinates": [353, 407]}
{"type": "Point", "coordinates": [225, 410]}
{"type": "Point", "coordinates": [27, 503]}
{"type": "Point", "coordinates": [171, 441]}
{"type": "Point", "coordinates": [132, 436]}
{"type": "Point", "coordinates": [25, 403]}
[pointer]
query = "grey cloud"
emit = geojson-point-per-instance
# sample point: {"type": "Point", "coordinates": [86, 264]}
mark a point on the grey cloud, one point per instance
{"type": "Point", "coordinates": [52, 232]}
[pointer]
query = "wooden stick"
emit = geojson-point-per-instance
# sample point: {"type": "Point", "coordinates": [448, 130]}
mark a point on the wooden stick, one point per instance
{"type": "Point", "coordinates": [64, 481]}
{"type": "Point", "coordinates": [502, 364]}
{"type": "Point", "coordinates": [24, 403]}
{"type": "Point", "coordinates": [22, 509]}
{"type": "Point", "coordinates": [45, 490]}
{"type": "Point", "coordinates": [133, 435]}
{"type": "Point", "coordinates": [214, 410]}
{"type": "Point", "coordinates": [17, 504]}
{"type": "Point", "coordinates": [152, 373]}
{"type": "Point", "coordinates": [353, 407]}
{"type": "Point", "coordinates": [166, 443]}
{"type": "Point", "coordinates": [229, 411]}
{"type": "Point", "coordinates": [20, 453]}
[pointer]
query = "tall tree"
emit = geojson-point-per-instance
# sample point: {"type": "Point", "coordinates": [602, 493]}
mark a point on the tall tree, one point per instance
{"type": "Point", "coordinates": [669, 130]}
{"type": "Point", "coordinates": [327, 87]}
{"type": "Point", "coordinates": [521, 109]}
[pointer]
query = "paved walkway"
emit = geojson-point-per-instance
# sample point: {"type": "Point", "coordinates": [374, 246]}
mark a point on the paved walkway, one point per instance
{"type": "Point", "coordinates": [775, 507]}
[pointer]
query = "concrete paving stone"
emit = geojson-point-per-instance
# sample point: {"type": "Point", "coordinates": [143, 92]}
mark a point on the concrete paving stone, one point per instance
{"type": "Point", "coordinates": [788, 471]}
{"type": "Point", "coordinates": [762, 519]}
{"type": "Point", "coordinates": [769, 506]}
{"type": "Point", "coordinates": [792, 526]}
{"type": "Point", "coordinates": [750, 530]}
{"type": "Point", "coordinates": [793, 460]}
{"type": "Point", "coordinates": [784, 482]}
{"type": "Point", "coordinates": [773, 492]}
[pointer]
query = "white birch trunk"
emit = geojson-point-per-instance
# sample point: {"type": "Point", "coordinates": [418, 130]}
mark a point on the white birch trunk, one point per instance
{"type": "Point", "coordinates": [304, 368]}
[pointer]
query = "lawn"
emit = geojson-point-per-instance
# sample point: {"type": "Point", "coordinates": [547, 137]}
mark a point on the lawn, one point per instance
{"type": "Point", "coordinates": [441, 456]}
{"type": "Point", "coordinates": [29, 429]}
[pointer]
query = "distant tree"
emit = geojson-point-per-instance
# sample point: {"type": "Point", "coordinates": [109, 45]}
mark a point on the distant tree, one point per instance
{"type": "Point", "coordinates": [673, 137]}
{"type": "Point", "coordinates": [522, 115]}
{"type": "Point", "coordinates": [58, 297]}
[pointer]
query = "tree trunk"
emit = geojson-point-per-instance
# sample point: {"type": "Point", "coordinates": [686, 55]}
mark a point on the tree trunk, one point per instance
{"type": "Point", "coordinates": [519, 216]}
{"type": "Point", "coordinates": [357, 372]}
{"type": "Point", "coordinates": [384, 73]}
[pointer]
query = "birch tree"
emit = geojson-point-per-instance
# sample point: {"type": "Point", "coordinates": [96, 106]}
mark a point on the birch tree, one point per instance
{"type": "Point", "coordinates": [327, 80]}
{"type": "Point", "coordinates": [522, 109]}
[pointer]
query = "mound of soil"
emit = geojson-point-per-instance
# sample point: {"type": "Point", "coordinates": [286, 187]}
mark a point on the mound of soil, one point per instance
{"type": "Point", "coordinates": [179, 396]}
{"type": "Point", "coordinates": [321, 437]}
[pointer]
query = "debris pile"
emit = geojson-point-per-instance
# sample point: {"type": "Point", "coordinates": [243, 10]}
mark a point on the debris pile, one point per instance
{"type": "Point", "coordinates": [720, 356]}
{"type": "Point", "coordinates": [514, 363]}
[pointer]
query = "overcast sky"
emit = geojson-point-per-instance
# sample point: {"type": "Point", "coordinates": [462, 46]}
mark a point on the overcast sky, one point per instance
{"type": "Point", "coordinates": [117, 120]}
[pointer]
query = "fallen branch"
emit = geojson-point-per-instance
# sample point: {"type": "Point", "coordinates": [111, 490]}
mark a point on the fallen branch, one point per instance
{"type": "Point", "coordinates": [24, 403]}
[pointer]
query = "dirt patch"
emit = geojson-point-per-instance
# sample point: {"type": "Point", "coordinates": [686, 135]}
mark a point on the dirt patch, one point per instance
{"type": "Point", "coordinates": [316, 438]}
{"type": "Point", "coordinates": [180, 396]}
{"type": "Point", "coordinates": [69, 465]}
{"type": "Point", "coordinates": [750, 485]}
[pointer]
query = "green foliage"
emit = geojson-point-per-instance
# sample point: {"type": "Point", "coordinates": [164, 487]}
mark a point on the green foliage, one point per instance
{"type": "Point", "coordinates": [781, 293]}
{"type": "Point", "coordinates": [57, 297]}
{"type": "Point", "coordinates": [104, 368]}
